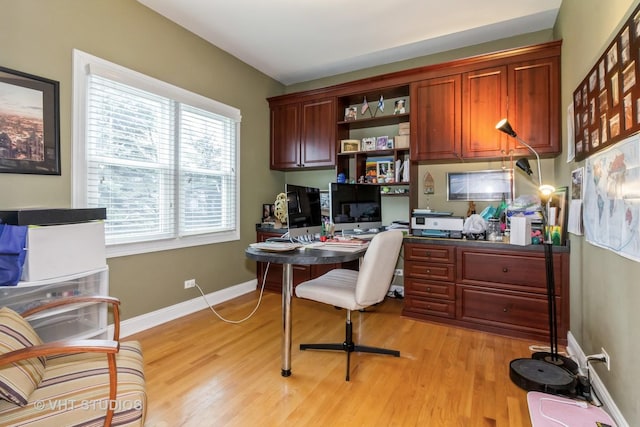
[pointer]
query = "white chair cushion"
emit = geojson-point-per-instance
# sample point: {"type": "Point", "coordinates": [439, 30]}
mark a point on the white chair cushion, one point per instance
{"type": "Point", "coordinates": [337, 287]}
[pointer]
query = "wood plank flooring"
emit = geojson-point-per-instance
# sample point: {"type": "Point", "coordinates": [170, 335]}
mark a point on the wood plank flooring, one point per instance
{"type": "Point", "coordinates": [203, 372]}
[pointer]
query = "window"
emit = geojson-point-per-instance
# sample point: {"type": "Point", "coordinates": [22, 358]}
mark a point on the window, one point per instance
{"type": "Point", "coordinates": [162, 160]}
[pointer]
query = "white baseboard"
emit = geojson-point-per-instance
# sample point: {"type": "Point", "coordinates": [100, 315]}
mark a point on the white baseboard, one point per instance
{"type": "Point", "coordinates": [149, 320]}
{"type": "Point", "coordinates": [577, 354]}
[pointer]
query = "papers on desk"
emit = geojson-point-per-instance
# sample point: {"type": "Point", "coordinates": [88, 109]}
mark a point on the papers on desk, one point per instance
{"type": "Point", "coordinates": [275, 246]}
{"type": "Point", "coordinates": [344, 245]}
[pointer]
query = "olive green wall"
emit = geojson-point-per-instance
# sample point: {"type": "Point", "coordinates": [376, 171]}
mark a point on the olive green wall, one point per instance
{"type": "Point", "coordinates": [604, 286]}
{"type": "Point", "coordinates": [38, 36]}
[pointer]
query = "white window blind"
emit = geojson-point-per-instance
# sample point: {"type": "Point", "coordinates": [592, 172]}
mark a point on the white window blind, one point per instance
{"type": "Point", "coordinates": [163, 161]}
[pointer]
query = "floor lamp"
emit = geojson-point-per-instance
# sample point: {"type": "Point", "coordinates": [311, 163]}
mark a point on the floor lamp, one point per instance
{"type": "Point", "coordinates": [544, 371]}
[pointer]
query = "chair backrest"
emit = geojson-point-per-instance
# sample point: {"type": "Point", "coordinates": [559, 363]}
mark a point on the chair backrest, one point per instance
{"type": "Point", "coordinates": [377, 268]}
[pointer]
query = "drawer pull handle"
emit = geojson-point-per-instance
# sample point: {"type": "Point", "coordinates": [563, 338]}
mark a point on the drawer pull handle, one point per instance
{"type": "Point", "coordinates": [505, 270]}
{"type": "Point", "coordinates": [505, 309]}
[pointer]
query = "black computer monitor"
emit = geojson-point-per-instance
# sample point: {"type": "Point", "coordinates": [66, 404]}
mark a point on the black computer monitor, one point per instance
{"type": "Point", "coordinates": [356, 207]}
{"type": "Point", "coordinates": [303, 210]}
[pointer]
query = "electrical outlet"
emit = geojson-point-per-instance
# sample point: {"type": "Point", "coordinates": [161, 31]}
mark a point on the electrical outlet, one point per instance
{"type": "Point", "coordinates": [607, 358]}
{"type": "Point", "coordinates": [191, 283]}
{"type": "Point", "coordinates": [398, 272]}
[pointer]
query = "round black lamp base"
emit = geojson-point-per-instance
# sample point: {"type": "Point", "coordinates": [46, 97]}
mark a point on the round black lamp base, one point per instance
{"type": "Point", "coordinates": [538, 375]}
{"type": "Point", "coordinates": [558, 360]}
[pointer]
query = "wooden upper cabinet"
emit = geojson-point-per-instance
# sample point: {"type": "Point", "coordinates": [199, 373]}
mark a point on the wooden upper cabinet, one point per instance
{"type": "Point", "coordinates": [534, 105]}
{"type": "Point", "coordinates": [285, 136]}
{"type": "Point", "coordinates": [318, 130]}
{"type": "Point", "coordinates": [436, 118]}
{"type": "Point", "coordinates": [484, 102]}
{"type": "Point", "coordinates": [303, 135]}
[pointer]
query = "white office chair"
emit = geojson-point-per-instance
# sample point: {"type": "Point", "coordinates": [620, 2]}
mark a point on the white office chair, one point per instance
{"type": "Point", "coordinates": [356, 290]}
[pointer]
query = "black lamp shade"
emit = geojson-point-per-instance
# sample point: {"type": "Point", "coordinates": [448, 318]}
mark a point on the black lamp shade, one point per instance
{"type": "Point", "coordinates": [504, 126]}
{"type": "Point", "coordinates": [523, 164]}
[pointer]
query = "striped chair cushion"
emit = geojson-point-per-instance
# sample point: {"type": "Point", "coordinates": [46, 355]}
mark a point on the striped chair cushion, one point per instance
{"type": "Point", "coordinates": [75, 391]}
{"type": "Point", "coordinates": [18, 380]}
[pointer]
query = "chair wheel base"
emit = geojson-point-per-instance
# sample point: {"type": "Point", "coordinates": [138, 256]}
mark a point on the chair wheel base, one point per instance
{"type": "Point", "coordinates": [286, 372]}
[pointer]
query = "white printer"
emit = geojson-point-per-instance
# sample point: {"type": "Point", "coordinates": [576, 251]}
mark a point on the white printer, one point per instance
{"type": "Point", "coordinates": [427, 223]}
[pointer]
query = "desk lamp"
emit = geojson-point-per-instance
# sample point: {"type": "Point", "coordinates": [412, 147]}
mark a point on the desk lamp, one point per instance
{"type": "Point", "coordinates": [544, 371]}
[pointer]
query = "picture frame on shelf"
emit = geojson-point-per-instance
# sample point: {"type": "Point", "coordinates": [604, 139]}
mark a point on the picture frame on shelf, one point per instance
{"type": "Point", "coordinates": [382, 142]}
{"type": "Point", "coordinates": [350, 114]}
{"type": "Point", "coordinates": [384, 171]}
{"type": "Point", "coordinates": [30, 110]}
{"type": "Point", "coordinates": [368, 144]}
{"type": "Point", "coordinates": [349, 145]}
{"type": "Point", "coordinates": [399, 107]}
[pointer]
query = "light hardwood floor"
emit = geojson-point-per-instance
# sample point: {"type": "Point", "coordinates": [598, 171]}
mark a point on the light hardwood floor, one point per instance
{"type": "Point", "coordinates": [203, 372]}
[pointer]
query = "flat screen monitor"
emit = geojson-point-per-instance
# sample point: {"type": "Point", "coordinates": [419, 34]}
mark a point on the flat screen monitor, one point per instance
{"type": "Point", "coordinates": [303, 210]}
{"type": "Point", "coordinates": [356, 207]}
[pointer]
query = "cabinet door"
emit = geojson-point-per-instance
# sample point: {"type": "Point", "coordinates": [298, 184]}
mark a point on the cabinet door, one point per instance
{"type": "Point", "coordinates": [484, 104]}
{"type": "Point", "coordinates": [437, 112]}
{"type": "Point", "coordinates": [285, 136]}
{"type": "Point", "coordinates": [533, 105]}
{"type": "Point", "coordinates": [318, 129]}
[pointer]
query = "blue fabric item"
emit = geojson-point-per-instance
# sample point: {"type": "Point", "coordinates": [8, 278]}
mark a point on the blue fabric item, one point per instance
{"type": "Point", "coordinates": [12, 253]}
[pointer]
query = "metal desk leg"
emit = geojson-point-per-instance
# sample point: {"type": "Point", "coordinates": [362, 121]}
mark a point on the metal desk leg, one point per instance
{"type": "Point", "coordinates": [287, 290]}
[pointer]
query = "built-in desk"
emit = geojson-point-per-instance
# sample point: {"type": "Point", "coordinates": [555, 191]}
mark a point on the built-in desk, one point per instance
{"type": "Point", "coordinates": [489, 286]}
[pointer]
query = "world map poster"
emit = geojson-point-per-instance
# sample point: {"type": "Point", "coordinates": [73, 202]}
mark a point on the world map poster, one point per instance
{"type": "Point", "coordinates": [612, 198]}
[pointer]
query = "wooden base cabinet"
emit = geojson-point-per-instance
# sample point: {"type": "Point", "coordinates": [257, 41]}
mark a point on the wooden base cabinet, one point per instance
{"type": "Point", "coordinates": [499, 290]}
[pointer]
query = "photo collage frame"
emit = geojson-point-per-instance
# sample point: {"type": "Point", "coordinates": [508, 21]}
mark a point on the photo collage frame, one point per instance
{"type": "Point", "coordinates": [606, 104]}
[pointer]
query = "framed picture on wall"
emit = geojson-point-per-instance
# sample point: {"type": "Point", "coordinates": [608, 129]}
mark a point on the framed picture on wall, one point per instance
{"type": "Point", "coordinates": [29, 124]}
{"type": "Point", "coordinates": [488, 185]}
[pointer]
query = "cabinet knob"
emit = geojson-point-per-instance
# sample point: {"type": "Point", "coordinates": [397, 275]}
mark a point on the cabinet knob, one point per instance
{"type": "Point", "coordinates": [505, 270]}
{"type": "Point", "coordinates": [428, 289]}
{"type": "Point", "coordinates": [505, 309]}
{"type": "Point", "coordinates": [427, 253]}
{"type": "Point", "coordinates": [428, 271]}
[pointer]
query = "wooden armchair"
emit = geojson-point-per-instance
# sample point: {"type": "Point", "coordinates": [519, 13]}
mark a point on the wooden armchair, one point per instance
{"type": "Point", "coordinates": [70, 382]}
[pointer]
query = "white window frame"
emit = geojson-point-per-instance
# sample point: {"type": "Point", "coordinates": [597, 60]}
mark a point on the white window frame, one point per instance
{"type": "Point", "coordinates": [83, 63]}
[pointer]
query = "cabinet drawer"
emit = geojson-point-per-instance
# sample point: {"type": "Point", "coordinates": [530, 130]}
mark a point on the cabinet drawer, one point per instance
{"type": "Point", "coordinates": [426, 289]}
{"type": "Point", "coordinates": [429, 253]}
{"type": "Point", "coordinates": [518, 271]}
{"type": "Point", "coordinates": [430, 271]}
{"type": "Point", "coordinates": [440, 308]}
{"type": "Point", "coordinates": [511, 310]}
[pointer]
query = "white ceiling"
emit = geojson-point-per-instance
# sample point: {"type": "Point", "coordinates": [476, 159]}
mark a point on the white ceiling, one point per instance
{"type": "Point", "coordinates": [298, 40]}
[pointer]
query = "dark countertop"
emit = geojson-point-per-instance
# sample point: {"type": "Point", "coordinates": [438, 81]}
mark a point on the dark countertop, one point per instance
{"type": "Point", "coordinates": [303, 256]}
{"type": "Point", "coordinates": [450, 242]}
{"type": "Point", "coordinates": [481, 244]}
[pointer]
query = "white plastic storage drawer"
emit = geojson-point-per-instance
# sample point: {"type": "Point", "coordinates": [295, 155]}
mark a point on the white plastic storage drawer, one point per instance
{"type": "Point", "coordinates": [61, 250]}
{"type": "Point", "coordinates": [73, 321]}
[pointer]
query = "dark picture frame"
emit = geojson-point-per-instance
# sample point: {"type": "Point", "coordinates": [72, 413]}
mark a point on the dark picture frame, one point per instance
{"type": "Point", "coordinates": [29, 124]}
{"type": "Point", "coordinates": [487, 185]}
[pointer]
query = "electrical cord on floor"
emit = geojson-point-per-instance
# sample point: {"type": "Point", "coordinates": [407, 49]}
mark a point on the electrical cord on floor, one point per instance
{"type": "Point", "coordinates": [264, 279]}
